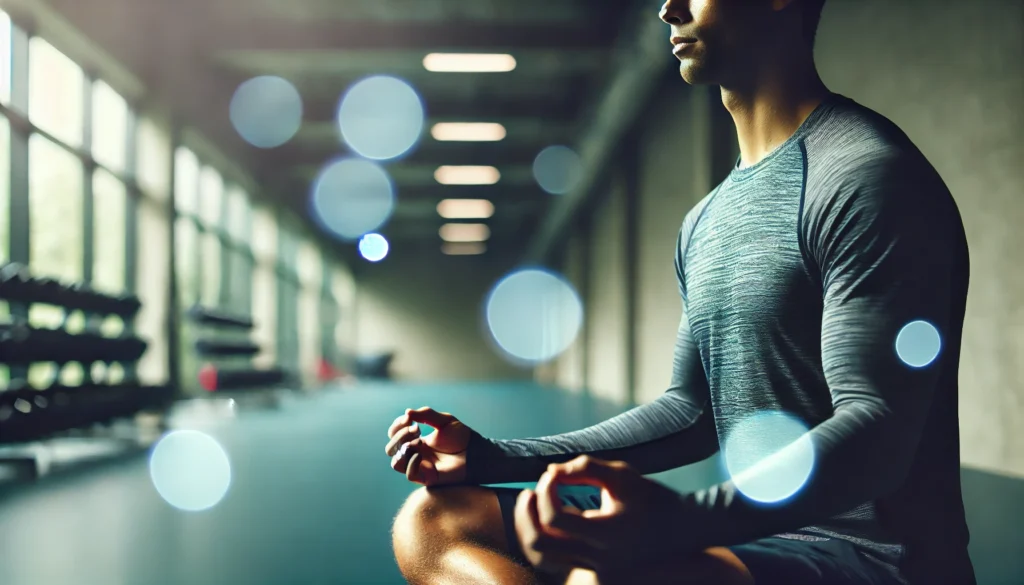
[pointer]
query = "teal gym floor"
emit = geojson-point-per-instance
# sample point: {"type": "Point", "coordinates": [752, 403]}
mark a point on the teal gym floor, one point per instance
{"type": "Point", "coordinates": [312, 497]}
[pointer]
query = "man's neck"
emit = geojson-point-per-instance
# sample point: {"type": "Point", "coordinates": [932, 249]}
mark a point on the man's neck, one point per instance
{"type": "Point", "coordinates": [770, 110]}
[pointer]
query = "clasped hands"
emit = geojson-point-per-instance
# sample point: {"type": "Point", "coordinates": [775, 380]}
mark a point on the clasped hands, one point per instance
{"type": "Point", "coordinates": [637, 521]}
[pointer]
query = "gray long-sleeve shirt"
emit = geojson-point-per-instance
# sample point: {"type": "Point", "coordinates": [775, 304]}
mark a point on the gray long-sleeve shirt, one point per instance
{"type": "Point", "coordinates": [797, 274]}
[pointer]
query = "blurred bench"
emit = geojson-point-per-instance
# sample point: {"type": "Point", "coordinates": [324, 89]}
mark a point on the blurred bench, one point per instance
{"type": "Point", "coordinates": [224, 347]}
{"type": "Point", "coordinates": [375, 366]}
{"type": "Point", "coordinates": [51, 408]}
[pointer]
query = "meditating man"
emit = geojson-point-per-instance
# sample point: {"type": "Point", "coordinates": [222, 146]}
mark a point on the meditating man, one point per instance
{"type": "Point", "coordinates": [825, 279]}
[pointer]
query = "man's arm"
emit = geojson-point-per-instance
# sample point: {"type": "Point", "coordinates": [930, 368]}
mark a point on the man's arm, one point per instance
{"type": "Point", "coordinates": [674, 430]}
{"type": "Point", "coordinates": [889, 250]}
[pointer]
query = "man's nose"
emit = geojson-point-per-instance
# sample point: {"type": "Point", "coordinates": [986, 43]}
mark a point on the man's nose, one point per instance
{"type": "Point", "coordinates": [675, 12]}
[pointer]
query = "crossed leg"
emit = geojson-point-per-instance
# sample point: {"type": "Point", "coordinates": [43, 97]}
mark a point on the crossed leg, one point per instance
{"type": "Point", "coordinates": [456, 536]}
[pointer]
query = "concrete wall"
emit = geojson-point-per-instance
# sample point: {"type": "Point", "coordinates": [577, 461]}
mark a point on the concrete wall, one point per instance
{"type": "Point", "coordinates": [605, 305]}
{"type": "Point", "coordinates": [569, 371]}
{"type": "Point", "coordinates": [428, 310]}
{"type": "Point", "coordinates": [952, 76]}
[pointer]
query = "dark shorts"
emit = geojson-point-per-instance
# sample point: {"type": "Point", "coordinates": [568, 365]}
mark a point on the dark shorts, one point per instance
{"type": "Point", "coordinates": [772, 561]}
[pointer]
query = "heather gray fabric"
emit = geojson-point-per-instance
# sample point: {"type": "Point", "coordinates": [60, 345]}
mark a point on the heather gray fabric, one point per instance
{"type": "Point", "coordinates": [797, 274]}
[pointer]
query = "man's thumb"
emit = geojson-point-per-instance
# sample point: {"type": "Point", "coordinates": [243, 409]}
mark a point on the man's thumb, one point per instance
{"type": "Point", "coordinates": [588, 471]}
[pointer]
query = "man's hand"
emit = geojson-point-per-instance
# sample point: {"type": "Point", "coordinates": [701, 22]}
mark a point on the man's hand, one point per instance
{"type": "Point", "coordinates": [437, 459]}
{"type": "Point", "coordinates": [636, 523]}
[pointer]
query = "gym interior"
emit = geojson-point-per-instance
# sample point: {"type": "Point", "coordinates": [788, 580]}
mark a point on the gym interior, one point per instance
{"type": "Point", "coordinates": [277, 225]}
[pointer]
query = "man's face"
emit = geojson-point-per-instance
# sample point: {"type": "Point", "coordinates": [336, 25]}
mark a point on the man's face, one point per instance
{"type": "Point", "coordinates": [716, 41]}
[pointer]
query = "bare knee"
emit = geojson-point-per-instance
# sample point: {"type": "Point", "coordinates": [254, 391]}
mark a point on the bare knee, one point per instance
{"type": "Point", "coordinates": [435, 519]}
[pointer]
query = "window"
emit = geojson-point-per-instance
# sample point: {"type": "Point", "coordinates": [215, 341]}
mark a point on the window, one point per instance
{"type": "Point", "coordinates": [310, 266]}
{"type": "Point", "coordinates": [153, 172]}
{"type": "Point", "coordinates": [211, 194]}
{"type": "Point", "coordinates": [237, 214]}
{"type": "Point", "coordinates": [5, 58]}
{"type": "Point", "coordinates": [154, 260]}
{"type": "Point", "coordinates": [310, 269]}
{"type": "Point", "coordinates": [186, 242]}
{"type": "Point", "coordinates": [241, 280]}
{"type": "Point", "coordinates": [210, 295]}
{"type": "Point", "coordinates": [186, 180]}
{"type": "Point", "coordinates": [287, 249]}
{"type": "Point", "coordinates": [56, 221]}
{"type": "Point", "coordinates": [5, 206]}
{"type": "Point", "coordinates": [56, 88]}
{"type": "Point", "coordinates": [109, 231]}
{"type": "Point", "coordinates": [264, 314]}
{"type": "Point", "coordinates": [5, 190]}
{"type": "Point", "coordinates": [109, 127]}
{"type": "Point", "coordinates": [56, 211]}
{"type": "Point", "coordinates": [264, 236]}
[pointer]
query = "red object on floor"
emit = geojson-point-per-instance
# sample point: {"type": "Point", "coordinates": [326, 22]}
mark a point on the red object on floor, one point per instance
{"type": "Point", "coordinates": [325, 372]}
{"type": "Point", "coordinates": [208, 378]}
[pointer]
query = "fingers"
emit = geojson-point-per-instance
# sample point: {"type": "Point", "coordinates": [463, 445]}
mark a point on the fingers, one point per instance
{"type": "Point", "coordinates": [586, 470]}
{"type": "Point", "coordinates": [566, 521]}
{"type": "Point", "coordinates": [421, 469]}
{"type": "Point", "coordinates": [400, 437]}
{"type": "Point", "coordinates": [429, 416]}
{"type": "Point", "coordinates": [400, 460]}
{"type": "Point", "coordinates": [412, 460]}
{"type": "Point", "coordinates": [546, 551]}
{"type": "Point", "coordinates": [400, 423]}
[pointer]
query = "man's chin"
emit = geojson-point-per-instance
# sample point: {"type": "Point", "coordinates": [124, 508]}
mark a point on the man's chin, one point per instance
{"type": "Point", "coordinates": [694, 73]}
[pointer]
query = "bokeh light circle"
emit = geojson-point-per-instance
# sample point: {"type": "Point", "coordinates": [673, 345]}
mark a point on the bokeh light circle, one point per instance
{"type": "Point", "coordinates": [373, 247]}
{"type": "Point", "coordinates": [190, 470]}
{"type": "Point", "coordinates": [381, 117]}
{"type": "Point", "coordinates": [557, 169]}
{"type": "Point", "coordinates": [533, 315]}
{"type": "Point", "coordinates": [769, 456]}
{"type": "Point", "coordinates": [918, 344]}
{"type": "Point", "coordinates": [352, 197]}
{"type": "Point", "coordinates": [266, 111]}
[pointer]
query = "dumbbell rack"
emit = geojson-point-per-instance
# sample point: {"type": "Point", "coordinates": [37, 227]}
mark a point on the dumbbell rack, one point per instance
{"type": "Point", "coordinates": [216, 348]}
{"type": "Point", "coordinates": [52, 410]}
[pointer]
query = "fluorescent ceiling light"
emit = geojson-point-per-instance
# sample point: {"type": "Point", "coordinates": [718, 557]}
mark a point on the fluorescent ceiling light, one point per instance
{"type": "Point", "coordinates": [469, 63]}
{"type": "Point", "coordinates": [468, 131]}
{"type": "Point", "coordinates": [467, 175]}
{"type": "Point", "coordinates": [464, 232]}
{"type": "Point", "coordinates": [463, 249]}
{"type": "Point", "coordinates": [465, 209]}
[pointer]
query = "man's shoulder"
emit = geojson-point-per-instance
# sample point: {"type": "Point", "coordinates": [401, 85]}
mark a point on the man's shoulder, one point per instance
{"type": "Point", "coordinates": [856, 138]}
{"type": "Point", "coordinates": [860, 151]}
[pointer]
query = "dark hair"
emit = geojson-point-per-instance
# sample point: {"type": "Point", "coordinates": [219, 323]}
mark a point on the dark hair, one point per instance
{"type": "Point", "coordinates": [811, 18]}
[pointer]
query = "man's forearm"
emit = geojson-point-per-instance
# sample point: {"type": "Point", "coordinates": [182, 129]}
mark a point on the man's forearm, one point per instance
{"type": "Point", "coordinates": [860, 454]}
{"type": "Point", "coordinates": [667, 433]}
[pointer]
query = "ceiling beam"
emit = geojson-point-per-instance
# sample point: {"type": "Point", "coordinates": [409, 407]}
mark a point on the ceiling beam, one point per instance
{"type": "Point", "coordinates": [428, 152]}
{"type": "Point", "coordinates": [641, 59]}
{"type": "Point", "coordinates": [353, 64]}
{"type": "Point", "coordinates": [240, 33]}
{"type": "Point", "coordinates": [499, 193]}
{"type": "Point", "coordinates": [521, 132]}
{"type": "Point", "coordinates": [526, 12]}
{"type": "Point", "coordinates": [546, 105]}
{"type": "Point", "coordinates": [418, 175]}
{"type": "Point", "coordinates": [426, 210]}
